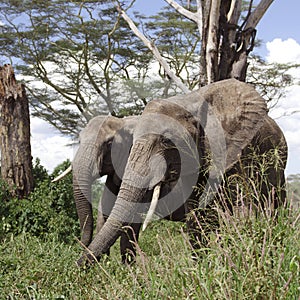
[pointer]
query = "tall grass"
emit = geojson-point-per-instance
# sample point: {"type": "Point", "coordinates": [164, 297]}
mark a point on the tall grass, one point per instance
{"type": "Point", "coordinates": [254, 254]}
{"type": "Point", "coordinates": [251, 256]}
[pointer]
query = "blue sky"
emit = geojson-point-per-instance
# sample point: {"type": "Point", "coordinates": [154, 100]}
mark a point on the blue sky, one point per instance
{"type": "Point", "coordinates": [280, 32]}
{"type": "Point", "coordinates": [282, 20]}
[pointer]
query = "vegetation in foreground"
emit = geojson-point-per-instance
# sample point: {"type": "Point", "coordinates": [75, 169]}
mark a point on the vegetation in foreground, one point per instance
{"type": "Point", "coordinates": [248, 258]}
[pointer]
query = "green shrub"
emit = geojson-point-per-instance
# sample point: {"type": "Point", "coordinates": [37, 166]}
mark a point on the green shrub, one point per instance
{"type": "Point", "coordinates": [48, 210]}
{"type": "Point", "coordinates": [40, 173]}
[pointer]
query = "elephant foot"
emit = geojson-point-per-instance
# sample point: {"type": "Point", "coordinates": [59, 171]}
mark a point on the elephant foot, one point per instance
{"type": "Point", "coordinates": [128, 258]}
{"type": "Point", "coordinates": [86, 261]}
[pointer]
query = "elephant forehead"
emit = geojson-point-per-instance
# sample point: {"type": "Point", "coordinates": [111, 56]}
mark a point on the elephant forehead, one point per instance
{"type": "Point", "coordinates": [97, 132]}
{"type": "Point", "coordinates": [174, 107]}
{"type": "Point", "coordinates": [162, 121]}
{"type": "Point", "coordinates": [92, 134]}
{"type": "Point", "coordinates": [160, 128]}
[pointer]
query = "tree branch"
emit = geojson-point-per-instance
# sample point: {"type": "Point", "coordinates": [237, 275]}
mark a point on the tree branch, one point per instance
{"type": "Point", "coordinates": [195, 17]}
{"type": "Point", "coordinates": [213, 41]}
{"type": "Point", "coordinates": [234, 12]}
{"type": "Point", "coordinates": [258, 13]}
{"type": "Point", "coordinates": [185, 12]}
{"type": "Point", "coordinates": [154, 50]}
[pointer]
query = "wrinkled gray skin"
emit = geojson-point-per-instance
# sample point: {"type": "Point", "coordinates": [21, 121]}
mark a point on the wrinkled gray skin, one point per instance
{"type": "Point", "coordinates": [241, 123]}
{"type": "Point", "coordinates": [93, 160]}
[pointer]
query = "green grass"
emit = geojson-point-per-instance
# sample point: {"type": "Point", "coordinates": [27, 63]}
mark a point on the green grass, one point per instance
{"type": "Point", "coordinates": [249, 258]}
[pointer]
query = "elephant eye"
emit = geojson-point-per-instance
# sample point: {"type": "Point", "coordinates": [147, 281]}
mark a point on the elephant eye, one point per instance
{"type": "Point", "coordinates": [109, 144]}
{"type": "Point", "coordinates": [166, 142]}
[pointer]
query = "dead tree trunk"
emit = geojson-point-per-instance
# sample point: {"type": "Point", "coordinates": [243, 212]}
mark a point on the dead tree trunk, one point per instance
{"type": "Point", "coordinates": [226, 42]}
{"type": "Point", "coordinates": [16, 160]}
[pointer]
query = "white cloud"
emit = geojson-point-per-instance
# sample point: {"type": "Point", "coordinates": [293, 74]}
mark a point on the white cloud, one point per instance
{"type": "Point", "coordinates": [287, 111]}
{"type": "Point", "coordinates": [50, 147]}
{"type": "Point", "coordinates": [283, 51]}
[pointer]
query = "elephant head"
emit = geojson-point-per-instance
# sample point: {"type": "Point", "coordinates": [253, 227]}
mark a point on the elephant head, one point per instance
{"type": "Point", "coordinates": [179, 141]}
{"type": "Point", "coordinates": [93, 159]}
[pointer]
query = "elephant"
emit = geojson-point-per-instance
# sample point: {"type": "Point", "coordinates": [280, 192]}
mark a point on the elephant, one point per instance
{"type": "Point", "coordinates": [93, 159]}
{"type": "Point", "coordinates": [190, 148]}
{"type": "Point", "coordinates": [103, 150]}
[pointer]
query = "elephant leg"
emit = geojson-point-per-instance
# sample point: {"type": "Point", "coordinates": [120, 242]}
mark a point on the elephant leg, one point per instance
{"type": "Point", "coordinates": [200, 223]}
{"type": "Point", "coordinates": [273, 188]}
{"type": "Point", "coordinates": [129, 239]}
{"type": "Point", "coordinates": [195, 214]}
{"type": "Point", "coordinates": [101, 217]}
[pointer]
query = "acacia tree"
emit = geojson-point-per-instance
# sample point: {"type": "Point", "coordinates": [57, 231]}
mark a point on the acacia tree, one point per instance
{"type": "Point", "coordinates": [73, 56]}
{"type": "Point", "coordinates": [178, 42]}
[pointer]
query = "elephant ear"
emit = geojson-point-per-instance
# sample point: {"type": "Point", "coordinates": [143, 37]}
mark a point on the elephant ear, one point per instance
{"type": "Point", "coordinates": [241, 112]}
{"type": "Point", "coordinates": [121, 144]}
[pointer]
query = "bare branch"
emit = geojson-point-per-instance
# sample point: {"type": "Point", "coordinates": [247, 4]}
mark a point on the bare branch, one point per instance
{"type": "Point", "coordinates": [185, 12]}
{"type": "Point", "coordinates": [231, 10]}
{"type": "Point", "coordinates": [195, 17]}
{"type": "Point", "coordinates": [234, 12]}
{"type": "Point", "coordinates": [154, 50]}
{"type": "Point", "coordinates": [258, 13]}
{"type": "Point", "coordinates": [200, 17]}
{"type": "Point", "coordinates": [212, 41]}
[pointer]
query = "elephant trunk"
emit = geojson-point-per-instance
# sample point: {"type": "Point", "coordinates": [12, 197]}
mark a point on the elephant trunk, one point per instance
{"type": "Point", "coordinates": [123, 213]}
{"type": "Point", "coordinates": [128, 205]}
{"type": "Point", "coordinates": [82, 195]}
{"type": "Point", "coordinates": [82, 188]}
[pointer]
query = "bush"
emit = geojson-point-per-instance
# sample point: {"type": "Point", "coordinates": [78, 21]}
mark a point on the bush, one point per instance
{"type": "Point", "coordinates": [48, 210]}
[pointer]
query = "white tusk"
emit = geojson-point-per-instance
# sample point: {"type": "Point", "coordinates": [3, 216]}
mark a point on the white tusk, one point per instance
{"type": "Point", "coordinates": [152, 207]}
{"type": "Point", "coordinates": [63, 174]}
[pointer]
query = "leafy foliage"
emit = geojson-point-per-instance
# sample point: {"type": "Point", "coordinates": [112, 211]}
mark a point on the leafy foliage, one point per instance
{"type": "Point", "coordinates": [179, 43]}
{"type": "Point", "coordinates": [40, 173]}
{"type": "Point", "coordinates": [49, 209]}
{"type": "Point", "coordinates": [73, 57]}
{"type": "Point", "coordinates": [270, 79]}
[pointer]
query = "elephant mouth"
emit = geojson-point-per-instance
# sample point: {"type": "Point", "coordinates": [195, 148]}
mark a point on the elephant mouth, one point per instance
{"type": "Point", "coordinates": [160, 190]}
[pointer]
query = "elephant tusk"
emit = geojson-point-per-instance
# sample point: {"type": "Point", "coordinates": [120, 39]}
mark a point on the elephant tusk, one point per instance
{"type": "Point", "coordinates": [63, 174]}
{"type": "Point", "coordinates": [152, 207]}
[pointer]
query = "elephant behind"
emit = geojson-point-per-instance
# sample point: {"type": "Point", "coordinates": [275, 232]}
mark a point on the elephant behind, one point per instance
{"type": "Point", "coordinates": [203, 139]}
{"type": "Point", "coordinates": [103, 151]}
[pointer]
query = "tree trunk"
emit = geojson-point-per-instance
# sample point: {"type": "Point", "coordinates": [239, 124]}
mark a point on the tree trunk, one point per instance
{"type": "Point", "coordinates": [16, 160]}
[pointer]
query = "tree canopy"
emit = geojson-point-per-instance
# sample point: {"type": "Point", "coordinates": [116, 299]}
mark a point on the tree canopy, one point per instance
{"type": "Point", "coordinates": [81, 58]}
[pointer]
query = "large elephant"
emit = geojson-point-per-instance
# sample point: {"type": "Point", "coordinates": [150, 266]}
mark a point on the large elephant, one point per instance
{"type": "Point", "coordinates": [191, 146]}
{"type": "Point", "coordinates": [103, 139]}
